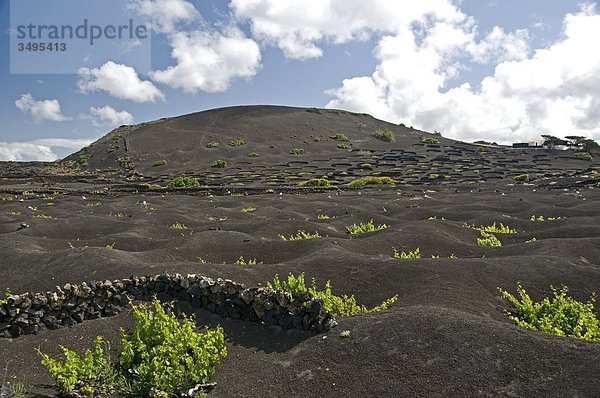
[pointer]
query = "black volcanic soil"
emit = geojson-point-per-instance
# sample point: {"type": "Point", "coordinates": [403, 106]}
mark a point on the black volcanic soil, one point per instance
{"type": "Point", "coordinates": [445, 336]}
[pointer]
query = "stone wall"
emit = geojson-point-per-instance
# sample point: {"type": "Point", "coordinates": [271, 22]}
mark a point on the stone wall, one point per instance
{"type": "Point", "coordinates": [35, 312]}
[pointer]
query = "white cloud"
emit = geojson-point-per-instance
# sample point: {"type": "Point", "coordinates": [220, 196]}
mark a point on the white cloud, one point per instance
{"type": "Point", "coordinates": [166, 15]}
{"type": "Point", "coordinates": [120, 81]}
{"type": "Point", "coordinates": [108, 116]}
{"type": "Point", "coordinates": [38, 150]}
{"type": "Point", "coordinates": [40, 110]}
{"type": "Point", "coordinates": [209, 61]}
{"type": "Point", "coordinates": [552, 90]}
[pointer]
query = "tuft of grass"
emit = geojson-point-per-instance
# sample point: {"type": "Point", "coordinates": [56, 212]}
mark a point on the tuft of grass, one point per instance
{"type": "Point", "coordinates": [364, 228]}
{"type": "Point", "coordinates": [118, 215]}
{"type": "Point", "coordinates": [344, 146]}
{"type": "Point", "coordinates": [372, 180]}
{"type": "Point", "coordinates": [296, 151]}
{"type": "Point", "coordinates": [236, 143]}
{"type": "Point", "coordinates": [560, 315]}
{"type": "Point", "coordinates": [253, 155]}
{"type": "Point", "coordinates": [241, 261]}
{"type": "Point", "coordinates": [300, 235]}
{"type": "Point", "coordinates": [430, 140]}
{"type": "Point", "coordinates": [212, 145]}
{"type": "Point", "coordinates": [336, 305]}
{"type": "Point", "coordinates": [158, 163]}
{"type": "Point", "coordinates": [183, 182]}
{"type": "Point", "coordinates": [406, 255]}
{"type": "Point", "coordinates": [43, 216]}
{"type": "Point", "coordinates": [385, 135]}
{"type": "Point", "coordinates": [248, 209]}
{"type": "Point", "coordinates": [339, 137]}
{"type": "Point", "coordinates": [219, 164]}
{"type": "Point", "coordinates": [14, 213]}
{"type": "Point", "coordinates": [542, 218]}
{"type": "Point", "coordinates": [522, 177]}
{"type": "Point", "coordinates": [324, 217]}
{"type": "Point", "coordinates": [488, 239]}
{"type": "Point", "coordinates": [316, 182]}
{"type": "Point", "coordinates": [178, 225]}
{"type": "Point", "coordinates": [111, 246]}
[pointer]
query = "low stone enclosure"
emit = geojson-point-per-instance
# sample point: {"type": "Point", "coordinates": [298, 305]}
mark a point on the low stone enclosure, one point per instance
{"type": "Point", "coordinates": [32, 313]}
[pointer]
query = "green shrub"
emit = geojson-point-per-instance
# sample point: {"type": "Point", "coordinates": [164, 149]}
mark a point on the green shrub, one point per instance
{"type": "Point", "coordinates": [324, 217]}
{"type": "Point", "coordinates": [560, 315]}
{"type": "Point", "coordinates": [316, 182]}
{"type": "Point", "coordinates": [238, 142]}
{"type": "Point", "coordinates": [14, 213]}
{"type": "Point", "coordinates": [367, 166]}
{"type": "Point", "coordinates": [363, 228]}
{"type": "Point", "coordinates": [385, 135]}
{"type": "Point", "coordinates": [178, 225]}
{"type": "Point", "coordinates": [542, 218]}
{"type": "Point", "coordinates": [241, 261]}
{"type": "Point", "coordinates": [165, 354]}
{"type": "Point", "coordinates": [344, 146]}
{"type": "Point", "coordinates": [83, 159]}
{"type": "Point", "coordinates": [336, 305]}
{"type": "Point", "coordinates": [361, 182]}
{"type": "Point", "coordinates": [219, 164]}
{"type": "Point", "coordinates": [488, 239]}
{"type": "Point", "coordinates": [405, 255]}
{"type": "Point", "coordinates": [430, 140]}
{"type": "Point", "coordinates": [584, 156]}
{"type": "Point", "coordinates": [253, 155]}
{"type": "Point", "coordinates": [159, 163]}
{"type": "Point", "coordinates": [248, 209]}
{"type": "Point", "coordinates": [91, 373]}
{"type": "Point", "coordinates": [296, 151]}
{"type": "Point", "coordinates": [212, 145]}
{"type": "Point", "coordinates": [494, 228]}
{"type": "Point", "coordinates": [339, 137]}
{"type": "Point", "coordinates": [522, 178]}
{"type": "Point", "coordinates": [183, 182]}
{"type": "Point", "coordinates": [301, 235]}
{"type": "Point", "coordinates": [43, 216]}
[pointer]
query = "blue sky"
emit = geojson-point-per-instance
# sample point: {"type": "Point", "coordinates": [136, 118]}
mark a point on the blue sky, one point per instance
{"type": "Point", "coordinates": [501, 70]}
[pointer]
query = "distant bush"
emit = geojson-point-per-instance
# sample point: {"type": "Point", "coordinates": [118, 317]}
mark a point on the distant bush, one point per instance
{"type": "Point", "coordinates": [159, 163]}
{"type": "Point", "coordinates": [300, 235]}
{"type": "Point", "coordinates": [238, 142]}
{"type": "Point", "coordinates": [488, 239]}
{"type": "Point", "coordinates": [183, 182]}
{"type": "Point", "coordinates": [336, 305]}
{"type": "Point", "coordinates": [560, 315]}
{"type": "Point", "coordinates": [339, 137]}
{"type": "Point", "coordinates": [324, 217]}
{"type": "Point", "coordinates": [584, 156]}
{"type": "Point", "coordinates": [212, 145]}
{"type": "Point", "coordinates": [542, 218]}
{"type": "Point", "coordinates": [253, 155]}
{"type": "Point", "coordinates": [430, 140]}
{"type": "Point", "coordinates": [178, 225]}
{"type": "Point", "coordinates": [83, 159]}
{"type": "Point", "coordinates": [248, 209]}
{"type": "Point", "coordinates": [415, 254]}
{"type": "Point", "coordinates": [316, 182]}
{"type": "Point", "coordinates": [494, 228]}
{"type": "Point", "coordinates": [363, 228]}
{"type": "Point", "coordinates": [219, 164]}
{"type": "Point", "coordinates": [241, 261]}
{"type": "Point", "coordinates": [361, 182]}
{"type": "Point", "coordinates": [344, 146]}
{"type": "Point", "coordinates": [385, 135]}
{"type": "Point", "coordinates": [522, 178]}
{"type": "Point", "coordinates": [296, 151]}
{"type": "Point", "coordinates": [367, 166]}
{"type": "Point", "coordinates": [314, 110]}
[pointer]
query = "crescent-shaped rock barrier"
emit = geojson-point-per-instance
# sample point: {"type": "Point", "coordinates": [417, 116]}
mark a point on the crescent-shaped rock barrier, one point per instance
{"type": "Point", "coordinates": [32, 313]}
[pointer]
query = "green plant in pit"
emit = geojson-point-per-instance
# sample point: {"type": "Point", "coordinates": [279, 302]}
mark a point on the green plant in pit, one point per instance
{"type": "Point", "coordinates": [436, 218]}
{"type": "Point", "coordinates": [494, 228]}
{"type": "Point", "coordinates": [367, 166]}
{"type": "Point", "coordinates": [363, 228]}
{"type": "Point", "coordinates": [7, 198]}
{"type": "Point", "coordinates": [183, 182]}
{"type": "Point", "coordinates": [14, 213]}
{"type": "Point", "coordinates": [238, 142]}
{"type": "Point", "coordinates": [178, 225]}
{"type": "Point", "coordinates": [385, 135]}
{"type": "Point", "coordinates": [296, 151]}
{"type": "Point", "coordinates": [201, 260]}
{"type": "Point", "coordinates": [44, 216]}
{"type": "Point", "coordinates": [406, 255]}
{"type": "Point", "coordinates": [542, 218]}
{"type": "Point", "coordinates": [111, 246]}
{"type": "Point", "coordinates": [91, 373]}
{"type": "Point", "coordinates": [253, 155]}
{"type": "Point", "coordinates": [158, 163]}
{"type": "Point", "coordinates": [522, 178]}
{"type": "Point", "coordinates": [430, 140]}
{"type": "Point", "coordinates": [324, 217]}
{"type": "Point", "coordinates": [95, 204]}
{"type": "Point", "coordinates": [584, 156]}
{"type": "Point", "coordinates": [7, 294]}
{"type": "Point", "coordinates": [560, 315]}
{"type": "Point", "coordinates": [344, 146]}
{"type": "Point", "coordinates": [488, 239]}
{"type": "Point", "coordinates": [166, 354]}
{"type": "Point", "coordinates": [212, 145]}
{"type": "Point", "coordinates": [316, 182]}
{"type": "Point", "coordinates": [241, 261]}
{"type": "Point", "coordinates": [339, 137]}
{"type": "Point", "coordinates": [361, 182]}
{"type": "Point", "coordinates": [118, 215]}
{"type": "Point", "coordinates": [336, 305]}
{"type": "Point", "coordinates": [248, 209]}
{"type": "Point", "coordinates": [300, 235]}
{"type": "Point", "coordinates": [219, 164]}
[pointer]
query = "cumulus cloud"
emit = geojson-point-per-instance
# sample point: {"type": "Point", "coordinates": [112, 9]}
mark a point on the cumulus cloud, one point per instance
{"type": "Point", "coordinates": [120, 81]}
{"type": "Point", "coordinates": [108, 116]}
{"type": "Point", "coordinates": [40, 110]}
{"type": "Point", "coordinates": [166, 15]}
{"type": "Point", "coordinates": [38, 150]}
{"type": "Point", "coordinates": [552, 90]}
{"type": "Point", "coordinates": [209, 61]}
